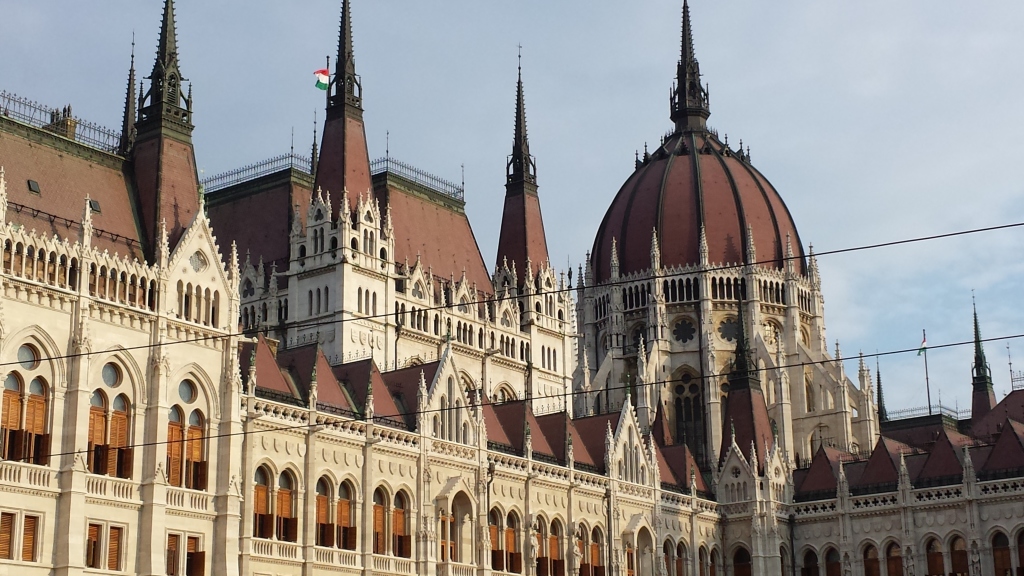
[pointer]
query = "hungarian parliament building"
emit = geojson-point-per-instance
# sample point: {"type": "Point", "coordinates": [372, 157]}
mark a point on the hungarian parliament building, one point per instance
{"type": "Point", "coordinates": [308, 366]}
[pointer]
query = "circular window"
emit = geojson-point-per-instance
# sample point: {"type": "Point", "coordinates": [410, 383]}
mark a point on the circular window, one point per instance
{"type": "Point", "coordinates": [680, 389]}
{"type": "Point", "coordinates": [694, 389]}
{"type": "Point", "coordinates": [684, 331]}
{"type": "Point", "coordinates": [198, 262]}
{"type": "Point", "coordinates": [187, 391]}
{"type": "Point", "coordinates": [111, 375]}
{"type": "Point", "coordinates": [28, 357]}
{"type": "Point", "coordinates": [687, 378]}
{"type": "Point", "coordinates": [729, 330]}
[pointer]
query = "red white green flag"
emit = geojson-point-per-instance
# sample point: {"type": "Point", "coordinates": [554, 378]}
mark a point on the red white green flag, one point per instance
{"type": "Point", "coordinates": [323, 78]}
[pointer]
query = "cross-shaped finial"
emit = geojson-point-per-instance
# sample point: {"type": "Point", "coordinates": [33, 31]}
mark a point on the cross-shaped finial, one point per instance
{"type": "Point", "coordinates": [520, 56]}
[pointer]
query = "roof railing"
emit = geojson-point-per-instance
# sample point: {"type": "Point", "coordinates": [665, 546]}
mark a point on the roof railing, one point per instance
{"type": "Point", "coordinates": [918, 411]}
{"type": "Point", "coordinates": [59, 121]}
{"type": "Point", "coordinates": [257, 170]}
{"type": "Point", "coordinates": [413, 174]}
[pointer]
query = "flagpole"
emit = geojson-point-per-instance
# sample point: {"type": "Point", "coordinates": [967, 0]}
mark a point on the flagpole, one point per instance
{"type": "Point", "coordinates": [927, 384]}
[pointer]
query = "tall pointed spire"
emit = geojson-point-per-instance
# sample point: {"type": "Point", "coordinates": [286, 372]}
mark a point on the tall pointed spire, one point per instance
{"type": "Point", "coordinates": [521, 166]}
{"type": "Point", "coordinates": [166, 179]}
{"type": "Point", "coordinates": [128, 122]}
{"type": "Point", "coordinates": [689, 98]}
{"type": "Point", "coordinates": [742, 376]}
{"type": "Point", "coordinates": [165, 100]}
{"type": "Point", "coordinates": [522, 242]}
{"type": "Point", "coordinates": [348, 88]}
{"type": "Point", "coordinates": [983, 397]}
{"type": "Point", "coordinates": [883, 416]}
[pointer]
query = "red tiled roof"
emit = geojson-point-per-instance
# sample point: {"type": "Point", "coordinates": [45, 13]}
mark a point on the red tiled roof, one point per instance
{"type": "Point", "coordinates": [506, 423]}
{"type": "Point", "coordinates": [593, 430]}
{"type": "Point", "coordinates": [522, 234]}
{"type": "Point", "coordinates": [344, 160]}
{"type": "Point", "coordinates": [747, 414]}
{"type": "Point", "coordinates": [943, 460]}
{"type": "Point", "coordinates": [823, 474]}
{"type": "Point", "coordinates": [553, 428]}
{"type": "Point", "coordinates": [354, 375]}
{"type": "Point", "coordinates": [689, 182]}
{"type": "Point", "coordinates": [675, 464]}
{"type": "Point", "coordinates": [1008, 451]}
{"type": "Point", "coordinates": [883, 465]}
{"type": "Point", "coordinates": [404, 385]}
{"type": "Point", "coordinates": [259, 220]}
{"type": "Point", "coordinates": [440, 235]}
{"type": "Point", "coordinates": [68, 172]}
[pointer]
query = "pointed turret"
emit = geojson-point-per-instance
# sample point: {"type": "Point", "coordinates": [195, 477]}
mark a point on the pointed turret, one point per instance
{"type": "Point", "coordinates": [883, 416]}
{"type": "Point", "coordinates": [690, 109]}
{"type": "Point", "coordinates": [344, 162]}
{"type": "Point", "coordinates": [522, 237]}
{"type": "Point", "coordinates": [745, 408]}
{"type": "Point", "coordinates": [128, 122]}
{"type": "Point", "coordinates": [983, 398]}
{"type": "Point", "coordinates": [165, 167]}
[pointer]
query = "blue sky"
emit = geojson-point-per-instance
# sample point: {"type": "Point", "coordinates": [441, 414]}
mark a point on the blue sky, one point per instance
{"type": "Point", "coordinates": [875, 120]}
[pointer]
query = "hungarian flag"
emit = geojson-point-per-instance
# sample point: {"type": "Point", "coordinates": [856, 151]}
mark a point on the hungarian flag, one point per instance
{"type": "Point", "coordinates": [924, 345]}
{"type": "Point", "coordinates": [323, 78]}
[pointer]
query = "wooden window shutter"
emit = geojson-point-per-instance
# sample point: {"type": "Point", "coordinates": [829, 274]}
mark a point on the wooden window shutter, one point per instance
{"type": "Point", "coordinates": [92, 547]}
{"type": "Point", "coordinates": [284, 503]}
{"type": "Point", "coordinates": [322, 513]}
{"type": "Point", "coordinates": [595, 555]}
{"type": "Point", "coordinates": [193, 545]}
{"type": "Point", "coordinates": [11, 417]}
{"type": "Point", "coordinates": [174, 450]}
{"type": "Point", "coordinates": [494, 536]}
{"type": "Point", "coordinates": [378, 529]}
{"type": "Point", "coordinates": [194, 447]}
{"type": "Point", "coordinates": [260, 499]}
{"type": "Point", "coordinates": [17, 440]}
{"type": "Point", "coordinates": [28, 538]}
{"type": "Point", "coordinates": [173, 545]}
{"type": "Point", "coordinates": [35, 417]}
{"type": "Point", "coordinates": [114, 548]}
{"type": "Point", "coordinates": [344, 513]}
{"type": "Point", "coordinates": [553, 551]}
{"type": "Point", "coordinates": [197, 564]}
{"type": "Point", "coordinates": [6, 535]}
{"type": "Point", "coordinates": [510, 540]}
{"type": "Point", "coordinates": [97, 426]}
{"type": "Point", "coordinates": [398, 522]}
{"type": "Point", "coordinates": [119, 430]}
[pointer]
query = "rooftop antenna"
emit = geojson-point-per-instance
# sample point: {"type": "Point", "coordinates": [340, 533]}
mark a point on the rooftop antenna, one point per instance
{"type": "Point", "coordinates": [1016, 378]}
{"type": "Point", "coordinates": [463, 176]}
{"type": "Point", "coordinates": [293, 141]}
{"type": "Point", "coordinates": [387, 144]}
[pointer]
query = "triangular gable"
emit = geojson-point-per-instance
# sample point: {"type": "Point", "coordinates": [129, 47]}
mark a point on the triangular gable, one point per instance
{"type": "Point", "coordinates": [592, 431]}
{"type": "Point", "coordinates": [1008, 452]}
{"type": "Point", "coordinates": [676, 464]}
{"type": "Point", "coordinates": [1011, 406]}
{"type": "Point", "coordinates": [268, 373]}
{"type": "Point", "coordinates": [823, 473]}
{"type": "Point", "coordinates": [354, 375]}
{"type": "Point", "coordinates": [404, 385]}
{"type": "Point", "coordinates": [299, 364]}
{"type": "Point", "coordinates": [943, 460]}
{"type": "Point", "coordinates": [506, 423]}
{"type": "Point", "coordinates": [552, 427]}
{"type": "Point", "coordinates": [883, 465]}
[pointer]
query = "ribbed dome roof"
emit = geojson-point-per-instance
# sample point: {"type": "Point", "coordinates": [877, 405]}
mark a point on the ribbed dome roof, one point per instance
{"type": "Point", "coordinates": [692, 181]}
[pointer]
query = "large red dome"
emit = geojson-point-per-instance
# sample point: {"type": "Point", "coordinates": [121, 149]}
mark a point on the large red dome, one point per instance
{"type": "Point", "coordinates": [695, 180]}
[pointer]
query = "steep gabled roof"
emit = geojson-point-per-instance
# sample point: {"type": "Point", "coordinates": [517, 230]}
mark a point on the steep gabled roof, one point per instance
{"type": "Point", "coordinates": [883, 466]}
{"type": "Point", "coordinates": [553, 428]}
{"type": "Point", "coordinates": [268, 373]}
{"type": "Point", "coordinates": [299, 363]}
{"type": "Point", "coordinates": [676, 463]}
{"type": "Point", "coordinates": [823, 474]}
{"type": "Point", "coordinates": [506, 423]}
{"type": "Point", "coordinates": [943, 461]}
{"type": "Point", "coordinates": [1011, 406]}
{"type": "Point", "coordinates": [355, 375]}
{"type": "Point", "coordinates": [67, 172]}
{"type": "Point", "coordinates": [1008, 451]}
{"type": "Point", "coordinates": [404, 385]}
{"type": "Point", "coordinates": [592, 431]}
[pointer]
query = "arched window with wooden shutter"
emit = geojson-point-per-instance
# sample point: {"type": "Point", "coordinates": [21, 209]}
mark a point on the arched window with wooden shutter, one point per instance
{"type": "Point", "coordinates": [195, 460]}
{"type": "Point", "coordinates": [555, 549]}
{"type": "Point", "coordinates": [119, 454]}
{"type": "Point", "coordinates": [513, 554]}
{"type": "Point", "coordinates": [287, 524]}
{"type": "Point", "coordinates": [37, 441]}
{"type": "Point", "coordinates": [175, 446]}
{"type": "Point", "coordinates": [596, 552]}
{"type": "Point", "coordinates": [324, 526]}
{"type": "Point", "coordinates": [10, 418]}
{"type": "Point", "coordinates": [263, 520]}
{"type": "Point", "coordinates": [346, 523]}
{"type": "Point", "coordinates": [494, 531]}
{"type": "Point", "coordinates": [379, 504]}
{"type": "Point", "coordinates": [401, 540]}
{"type": "Point", "coordinates": [97, 433]}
